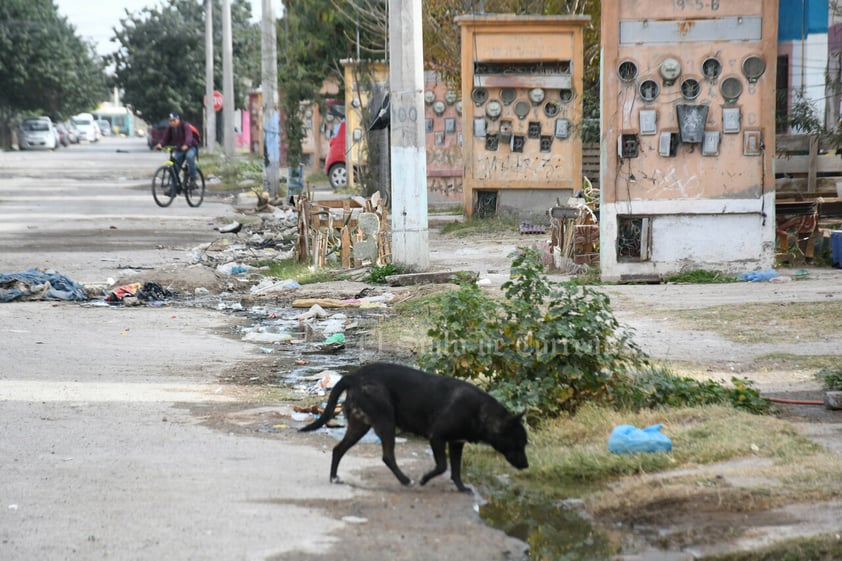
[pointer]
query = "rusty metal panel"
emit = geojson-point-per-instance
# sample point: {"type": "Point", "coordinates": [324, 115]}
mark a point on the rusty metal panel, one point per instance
{"type": "Point", "coordinates": [740, 28]}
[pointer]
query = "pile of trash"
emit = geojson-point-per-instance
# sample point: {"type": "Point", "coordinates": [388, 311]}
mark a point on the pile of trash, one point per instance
{"type": "Point", "coordinates": [37, 284]}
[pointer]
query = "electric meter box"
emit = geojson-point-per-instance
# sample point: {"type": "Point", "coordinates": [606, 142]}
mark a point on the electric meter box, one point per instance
{"type": "Point", "coordinates": [687, 133]}
{"type": "Point", "coordinates": [522, 82]}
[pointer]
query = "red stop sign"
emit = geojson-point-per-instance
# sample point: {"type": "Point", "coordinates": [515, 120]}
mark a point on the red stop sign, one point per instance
{"type": "Point", "coordinates": [217, 100]}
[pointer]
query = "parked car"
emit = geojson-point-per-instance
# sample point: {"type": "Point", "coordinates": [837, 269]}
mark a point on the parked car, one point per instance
{"type": "Point", "coordinates": [335, 167]}
{"type": "Point", "coordinates": [88, 128]}
{"type": "Point", "coordinates": [155, 132]}
{"type": "Point", "coordinates": [63, 134]}
{"type": "Point", "coordinates": [72, 132]}
{"type": "Point", "coordinates": [104, 127]}
{"type": "Point", "coordinates": [38, 133]}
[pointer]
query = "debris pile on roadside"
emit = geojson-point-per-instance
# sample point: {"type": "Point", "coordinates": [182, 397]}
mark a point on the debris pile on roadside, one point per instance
{"type": "Point", "coordinates": [37, 284]}
{"type": "Point", "coordinates": [351, 232]}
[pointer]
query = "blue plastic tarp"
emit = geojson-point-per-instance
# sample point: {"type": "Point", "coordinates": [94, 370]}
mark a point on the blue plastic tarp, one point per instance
{"type": "Point", "coordinates": [34, 284]}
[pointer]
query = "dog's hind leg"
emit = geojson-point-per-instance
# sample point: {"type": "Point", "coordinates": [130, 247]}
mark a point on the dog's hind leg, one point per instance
{"type": "Point", "coordinates": [441, 460]}
{"type": "Point", "coordinates": [455, 447]}
{"type": "Point", "coordinates": [386, 432]}
{"type": "Point", "coordinates": [354, 431]}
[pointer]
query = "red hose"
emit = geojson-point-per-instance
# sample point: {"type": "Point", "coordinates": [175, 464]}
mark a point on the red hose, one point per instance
{"type": "Point", "coordinates": [795, 401]}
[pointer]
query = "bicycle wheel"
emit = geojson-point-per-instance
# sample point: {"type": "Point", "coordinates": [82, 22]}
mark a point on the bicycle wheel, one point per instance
{"type": "Point", "coordinates": [195, 195]}
{"type": "Point", "coordinates": [163, 186]}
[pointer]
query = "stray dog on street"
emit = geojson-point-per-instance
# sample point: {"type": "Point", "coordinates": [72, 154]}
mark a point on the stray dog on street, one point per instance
{"type": "Point", "coordinates": [444, 410]}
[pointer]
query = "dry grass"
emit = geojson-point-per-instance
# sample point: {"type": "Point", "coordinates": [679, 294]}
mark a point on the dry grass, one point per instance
{"type": "Point", "coordinates": [790, 322]}
{"type": "Point", "coordinates": [736, 461]}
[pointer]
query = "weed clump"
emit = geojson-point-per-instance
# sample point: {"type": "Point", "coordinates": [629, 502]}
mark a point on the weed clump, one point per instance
{"type": "Point", "coordinates": [551, 347]}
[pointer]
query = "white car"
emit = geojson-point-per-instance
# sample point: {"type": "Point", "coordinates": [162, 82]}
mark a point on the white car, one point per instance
{"type": "Point", "coordinates": [38, 133]}
{"type": "Point", "coordinates": [87, 125]}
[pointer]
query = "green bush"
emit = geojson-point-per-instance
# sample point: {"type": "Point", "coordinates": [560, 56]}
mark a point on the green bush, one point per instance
{"type": "Point", "coordinates": [550, 347]}
{"type": "Point", "coordinates": [831, 378]}
{"type": "Point", "coordinates": [547, 346]}
{"type": "Point", "coordinates": [656, 386]}
{"type": "Point", "coordinates": [378, 273]}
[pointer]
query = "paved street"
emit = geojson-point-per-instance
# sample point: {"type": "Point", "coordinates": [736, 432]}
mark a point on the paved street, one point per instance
{"type": "Point", "coordinates": [105, 450]}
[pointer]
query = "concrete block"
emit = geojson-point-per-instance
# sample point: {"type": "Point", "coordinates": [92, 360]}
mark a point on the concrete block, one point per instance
{"type": "Point", "coordinates": [833, 400]}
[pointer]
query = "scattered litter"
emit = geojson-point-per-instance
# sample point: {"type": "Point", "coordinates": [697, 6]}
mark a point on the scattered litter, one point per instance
{"type": "Point", "coordinates": [330, 379]}
{"type": "Point", "coordinates": [234, 268]}
{"type": "Point", "coordinates": [759, 276]}
{"type": "Point", "coordinates": [301, 416]}
{"type": "Point", "coordinates": [135, 293]}
{"type": "Point", "coordinates": [335, 338]}
{"type": "Point", "coordinates": [627, 439]}
{"type": "Point", "coordinates": [267, 337]}
{"type": "Point", "coordinates": [269, 286]}
{"type": "Point", "coordinates": [315, 311]}
{"type": "Point", "coordinates": [354, 519]}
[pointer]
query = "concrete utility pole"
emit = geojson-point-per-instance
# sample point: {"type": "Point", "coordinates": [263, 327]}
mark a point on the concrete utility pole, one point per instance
{"type": "Point", "coordinates": [409, 162]}
{"type": "Point", "coordinates": [271, 118]}
{"type": "Point", "coordinates": [227, 80]}
{"type": "Point", "coordinates": [210, 114]}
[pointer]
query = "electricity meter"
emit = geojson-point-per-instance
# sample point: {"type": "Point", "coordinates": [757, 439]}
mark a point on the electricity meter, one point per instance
{"type": "Point", "coordinates": [429, 97]}
{"type": "Point", "coordinates": [439, 107]}
{"type": "Point", "coordinates": [479, 95]}
{"type": "Point", "coordinates": [753, 68]}
{"type": "Point", "coordinates": [670, 69]}
{"type": "Point", "coordinates": [536, 95]}
{"type": "Point", "coordinates": [493, 109]}
{"type": "Point", "coordinates": [508, 95]}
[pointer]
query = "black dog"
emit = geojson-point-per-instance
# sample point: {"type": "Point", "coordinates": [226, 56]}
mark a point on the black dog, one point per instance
{"type": "Point", "coordinates": [444, 410]}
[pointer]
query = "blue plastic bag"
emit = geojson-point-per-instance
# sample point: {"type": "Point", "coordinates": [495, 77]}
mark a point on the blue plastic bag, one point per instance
{"type": "Point", "coordinates": [627, 439]}
{"type": "Point", "coordinates": [759, 276]}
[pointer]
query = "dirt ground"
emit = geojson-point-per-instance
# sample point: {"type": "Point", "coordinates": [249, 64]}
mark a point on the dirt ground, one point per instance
{"type": "Point", "coordinates": [697, 527]}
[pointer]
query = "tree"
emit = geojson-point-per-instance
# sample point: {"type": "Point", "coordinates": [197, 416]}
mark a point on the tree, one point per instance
{"type": "Point", "coordinates": [160, 60]}
{"type": "Point", "coordinates": [45, 67]}
{"type": "Point", "coordinates": [313, 39]}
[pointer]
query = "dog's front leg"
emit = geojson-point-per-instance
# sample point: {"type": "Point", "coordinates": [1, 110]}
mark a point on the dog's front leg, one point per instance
{"type": "Point", "coordinates": [440, 455]}
{"type": "Point", "coordinates": [456, 447]}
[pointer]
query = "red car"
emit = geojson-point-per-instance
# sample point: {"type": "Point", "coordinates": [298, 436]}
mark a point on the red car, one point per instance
{"type": "Point", "coordinates": [335, 168]}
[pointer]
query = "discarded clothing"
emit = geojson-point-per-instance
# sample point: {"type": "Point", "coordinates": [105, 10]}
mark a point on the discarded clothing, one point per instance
{"type": "Point", "coordinates": [34, 284]}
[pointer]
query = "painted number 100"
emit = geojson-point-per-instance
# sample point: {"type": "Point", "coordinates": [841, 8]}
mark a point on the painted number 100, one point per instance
{"type": "Point", "coordinates": [713, 5]}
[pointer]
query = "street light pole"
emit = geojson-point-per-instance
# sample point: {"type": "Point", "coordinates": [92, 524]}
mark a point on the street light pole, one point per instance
{"type": "Point", "coordinates": [271, 118]}
{"type": "Point", "coordinates": [227, 80]}
{"type": "Point", "coordinates": [210, 112]}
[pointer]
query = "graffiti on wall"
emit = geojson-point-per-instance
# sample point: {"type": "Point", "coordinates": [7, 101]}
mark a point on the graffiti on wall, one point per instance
{"type": "Point", "coordinates": [519, 167]}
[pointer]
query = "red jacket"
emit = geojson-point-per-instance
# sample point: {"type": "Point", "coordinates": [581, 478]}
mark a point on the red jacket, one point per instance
{"type": "Point", "coordinates": [179, 136]}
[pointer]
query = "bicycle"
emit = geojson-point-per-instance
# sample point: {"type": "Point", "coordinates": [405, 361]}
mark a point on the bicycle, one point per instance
{"type": "Point", "coordinates": [167, 184]}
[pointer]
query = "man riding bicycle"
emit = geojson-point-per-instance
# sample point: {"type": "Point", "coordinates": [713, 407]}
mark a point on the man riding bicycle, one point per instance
{"type": "Point", "coordinates": [186, 145]}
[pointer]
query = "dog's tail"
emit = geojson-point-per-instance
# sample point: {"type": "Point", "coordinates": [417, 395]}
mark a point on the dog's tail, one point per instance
{"type": "Point", "coordinates": [327, 414]}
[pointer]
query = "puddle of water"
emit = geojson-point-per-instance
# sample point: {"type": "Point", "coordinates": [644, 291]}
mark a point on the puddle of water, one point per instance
{"type": "Point", "coordinates": [554, 530]}
{"type": "Point", "coordinates": [559, 530]}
